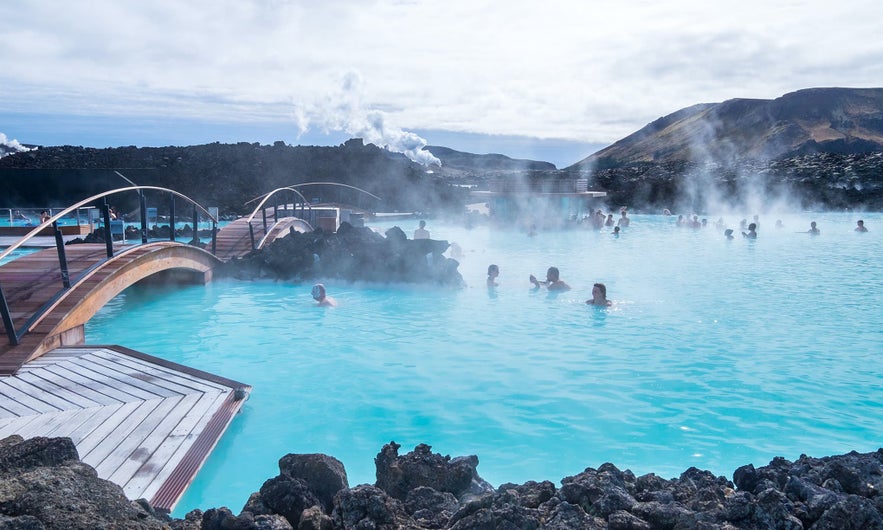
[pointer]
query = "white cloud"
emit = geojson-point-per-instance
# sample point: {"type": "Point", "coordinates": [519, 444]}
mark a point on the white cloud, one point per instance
{"type": "Point", "coordinates": [590, 71]}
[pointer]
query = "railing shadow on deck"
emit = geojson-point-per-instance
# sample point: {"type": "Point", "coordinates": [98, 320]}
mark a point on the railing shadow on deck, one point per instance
{"type": "Point", "coordinates": [15, 334]}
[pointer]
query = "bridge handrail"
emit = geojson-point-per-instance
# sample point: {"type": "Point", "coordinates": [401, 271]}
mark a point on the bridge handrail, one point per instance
{"type": "Point", "coordinates": [69, 209]}
{"type": "Point", "coordinates": [5, 313]}
{"type": "Point", "coordinates": [267, 196]}
{"type": "Point", "coordinates": [260, 208]}
{"type": "Point", "coordinates": [303, 184]}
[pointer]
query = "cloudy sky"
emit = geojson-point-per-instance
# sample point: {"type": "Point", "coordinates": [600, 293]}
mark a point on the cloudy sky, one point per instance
{"type": "Point", "coordinates": [549, 79]}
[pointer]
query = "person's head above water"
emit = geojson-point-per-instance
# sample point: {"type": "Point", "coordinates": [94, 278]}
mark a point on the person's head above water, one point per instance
{"type": "Point", "coordinates": [318, 292]}
{"type": "Point", "coordinates": [552, 275]}
{"type": "Point", "coordinates": [422, 224]}
{"type": "Point", "coordinates": [493, 270]}
{"type": "Point", "coordinates": [601, 289]}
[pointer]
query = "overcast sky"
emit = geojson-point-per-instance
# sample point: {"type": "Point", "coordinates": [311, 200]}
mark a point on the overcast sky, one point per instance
{"type": "Point", "coordinates": [488, 74]}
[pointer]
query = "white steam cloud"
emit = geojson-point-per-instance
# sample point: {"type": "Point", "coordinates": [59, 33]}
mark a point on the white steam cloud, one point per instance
{"type": "Point", "coordinates": [8, 147]}
{"type": "Point", "coordinates": [345, 111]}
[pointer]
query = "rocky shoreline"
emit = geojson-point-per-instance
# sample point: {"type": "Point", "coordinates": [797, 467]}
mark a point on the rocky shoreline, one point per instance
{"type": "Point", "coordinates": [44, 485]}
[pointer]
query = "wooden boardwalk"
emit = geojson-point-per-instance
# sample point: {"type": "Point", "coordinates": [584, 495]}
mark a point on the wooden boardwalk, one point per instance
{"type": "Point", "coordinates": [142, 422]}
{"type": "Point", "coordinates": [234, 240]}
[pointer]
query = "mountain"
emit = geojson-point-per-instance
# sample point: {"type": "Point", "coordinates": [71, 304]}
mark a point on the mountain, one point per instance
{"type": "Point", "coordinates": [470, 163]}
{"type": "Point", "coordinates": [809, 121]}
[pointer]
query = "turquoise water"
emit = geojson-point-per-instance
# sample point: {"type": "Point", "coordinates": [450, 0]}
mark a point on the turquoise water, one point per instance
{"type": "Point", "coordinates": [716, 354]}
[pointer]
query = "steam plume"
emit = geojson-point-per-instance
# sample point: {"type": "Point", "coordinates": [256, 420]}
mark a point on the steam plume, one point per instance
{"type": "Point", "coordinates": [8, 147]}
{"type": "Point", "coordinates": [345, 111]}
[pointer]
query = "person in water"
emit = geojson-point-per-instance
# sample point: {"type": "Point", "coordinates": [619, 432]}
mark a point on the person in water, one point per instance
{"type": "Point", "coordinates": [553, 281]}
{"type": "Point", "coordinates": [44, 216]}
{"type": "Point", "coordinates": [813, 229]}
{"type": "Point", "coordinates": [728, 233]}
{"type": "Point", "coordinates": [599, 296]}
{"type": "Point", "coordinates": [492, 272]}
{"type": "Point", "coordinates": [860, 226]}
{"type": "Point", "coordinates": [752, 232]}
{"type": "Point", "coordinates": [320, 296]}
{"type": "Point", "coordinates": [422, 232]}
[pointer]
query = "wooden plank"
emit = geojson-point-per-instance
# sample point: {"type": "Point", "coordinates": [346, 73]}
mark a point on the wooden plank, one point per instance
{"type": "Point", "coordinates": [129, 443]}
{"type": "Point", "coordinates": [170, 378]}
{"type": "Point", "coordinates": [81, 432]}
{"type": "Point", "coordinates": [113, 435]}
{"type": "Point", "coordinates": [167, 496]}
{"type": "Point", "coordinates": [26, 394]}
{"type": "Point", "coordinates": [18, 423]}
{"type": "Point", "coordinates": [59, 388]}
{"type": "Point", "coordinates": [46, 423]}
{"type": "Point", "coordinates": [132, 384]}
{"type": "Point", "coordinates": [176, 446]}
{"type": "Point", "coordinates": [107, 393]}
{"type": "Point", "coordinates": [15, 406]}
{"type": "Point", "coordinates": [103, 429]}
{"type": "Point", "coordinates": [144, 452]}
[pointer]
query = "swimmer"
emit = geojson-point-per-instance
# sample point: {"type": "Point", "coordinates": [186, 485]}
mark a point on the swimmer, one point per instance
{"type": "Point", "coordinates": [319, 295]}
{"type": "Point", "coordinates": [599, 296]}
{"type": "Point", "coordinates": [728, 233]}
{"type": "Point", "coordinates": [553, 281]}
{"type": "Point", "coordinates": [860, 226]}
{"type": "Point", "coordinates": [44, 216]}
{"type": "Point", "coordinates": [492, 272]}
{"type": "Point", "coordinates": [422, 232]}
{"type": "Point", "coordinates": [752, 232]}
{"type": "Point", "coordinates": [624, 221]}
{"type": "Point", "coordinates": [813, 229]}
{"type": "Point", "coordinates": [615, 231]}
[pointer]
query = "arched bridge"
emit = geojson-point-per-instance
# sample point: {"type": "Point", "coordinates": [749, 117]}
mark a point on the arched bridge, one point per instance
{"type": "Point", "coordinates": [46, 297]}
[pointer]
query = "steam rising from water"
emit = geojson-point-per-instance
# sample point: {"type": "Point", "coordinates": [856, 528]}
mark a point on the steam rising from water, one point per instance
{"type": "Point", "coordinates": [11, 146]}
{"type": "Point", "coordinates": [345, 111]}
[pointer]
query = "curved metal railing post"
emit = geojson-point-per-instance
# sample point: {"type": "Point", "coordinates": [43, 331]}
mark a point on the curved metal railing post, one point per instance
{"type": "Point", "coordinates": [195, 230]}
{"type": "Point", "coordinates": [172, 219]}
{"type": "Point", "coordinates": [7, 319]}
{"type": "Point", "coordinates": [214, 237]}
{"type": "Point", "coordinates": [62, 257]}
{"type": "Point", "coordinates": [108, 233]}
{"type": "Point", "coordinates": [143, 206]}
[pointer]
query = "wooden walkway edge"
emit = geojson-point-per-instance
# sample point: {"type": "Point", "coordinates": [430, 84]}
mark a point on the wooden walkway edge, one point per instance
{"type": "Point", "coordinates": [144, 423]}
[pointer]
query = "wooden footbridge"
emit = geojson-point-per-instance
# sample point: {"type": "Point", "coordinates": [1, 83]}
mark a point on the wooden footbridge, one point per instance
{"type": "Point", "coordinates": [46, 297]}
{"type": "Point", "coordinates": [142, 422]}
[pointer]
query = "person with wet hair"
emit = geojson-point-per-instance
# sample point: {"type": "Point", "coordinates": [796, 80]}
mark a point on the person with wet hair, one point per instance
{"type": "Point", "coordinates": [860, 226]}
{"type": "Point", "coordinates": [813, 229]}
{"type": "Point", "coordinates": [553, 281]}
{"type": "Point", "coordinates": [492, 272]}
{"type": "Point", "coordinates": [728, 233]}
{"type": "Point", "coordinates": [752, 232]}
{"type": "Point", "coordinates": [599, 296]}
{"type": "Point", "coordinates": [320, 296]}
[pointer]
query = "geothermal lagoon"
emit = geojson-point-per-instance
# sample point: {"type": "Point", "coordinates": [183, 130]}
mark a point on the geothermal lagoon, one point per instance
{"type": "Point", "coordinates": [715, 354]}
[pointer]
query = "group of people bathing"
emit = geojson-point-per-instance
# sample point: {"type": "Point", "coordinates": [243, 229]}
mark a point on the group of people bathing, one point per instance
{"type": "Point", "coordinates": [813, 229]}
{"type": "Point", "coordinates": [553, 282]}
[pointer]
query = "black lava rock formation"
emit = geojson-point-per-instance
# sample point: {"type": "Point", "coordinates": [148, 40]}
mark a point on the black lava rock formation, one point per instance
{"type": "Point", "coordinates": [43, 485]}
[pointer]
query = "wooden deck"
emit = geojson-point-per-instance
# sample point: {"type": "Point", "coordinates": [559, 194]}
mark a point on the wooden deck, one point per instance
{"type": "Point", "coordinates": [144, 423]}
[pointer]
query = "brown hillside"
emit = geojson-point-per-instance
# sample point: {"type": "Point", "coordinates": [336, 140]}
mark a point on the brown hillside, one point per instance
{"type": "Point", "coordinates": [815, 120]}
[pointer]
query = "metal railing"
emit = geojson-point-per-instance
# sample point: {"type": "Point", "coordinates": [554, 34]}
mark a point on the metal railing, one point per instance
{"type": "Point", "coordinates": [275, 194]}
{"type": "Point", "coordinates": [16, 334]}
